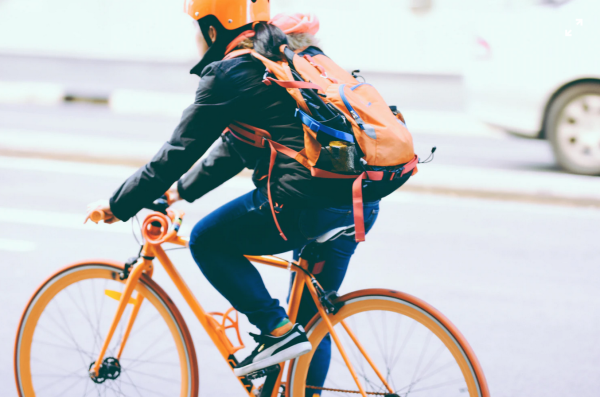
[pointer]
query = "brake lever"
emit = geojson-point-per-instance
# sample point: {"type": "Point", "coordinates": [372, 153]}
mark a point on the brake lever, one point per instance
{"type": "Point", "coordinates": [160, 205]}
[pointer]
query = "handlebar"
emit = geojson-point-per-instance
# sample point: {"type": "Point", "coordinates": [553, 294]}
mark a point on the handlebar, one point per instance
{"type": "Point", "coordinates": [155, 228]}
{"type": "Point", "coordinates": [97, 216]}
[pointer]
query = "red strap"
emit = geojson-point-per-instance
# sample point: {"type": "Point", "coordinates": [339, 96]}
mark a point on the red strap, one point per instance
{"type": "Point", "coordinates": [318, 267]}
{"type": "Point", "coordinates": [357, 206]}
{"type": "Point", "coordinates": [237, 53]}
{"type": "Point", "coordinates": [283, 149]}
{"type": "Point", "coordinates": [271, 163]}
{"type": "Point", "coordinates": [410, 166]}
{"type": "Point", "coordinates": [293, 84]}
{"type": "Point", "coordinates": [372, 175]}
{"type": "Point", "coordinates": [320, 68]}
{"type": "Point", "coordinates": [235, 42]}
{"type": "Point", "coordinates": [254, 139]}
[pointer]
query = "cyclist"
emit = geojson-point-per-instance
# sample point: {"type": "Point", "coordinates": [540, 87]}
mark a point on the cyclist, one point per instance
{"type": "Point", "coordinates": [231, 90]}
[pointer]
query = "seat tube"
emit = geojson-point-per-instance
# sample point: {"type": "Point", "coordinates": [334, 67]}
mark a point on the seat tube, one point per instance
{"type": "Point", "coordinates": [297, 289]}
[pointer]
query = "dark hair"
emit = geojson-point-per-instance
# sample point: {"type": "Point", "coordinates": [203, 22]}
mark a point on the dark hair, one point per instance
{"type": "Point", "coordinates": [268, 39]}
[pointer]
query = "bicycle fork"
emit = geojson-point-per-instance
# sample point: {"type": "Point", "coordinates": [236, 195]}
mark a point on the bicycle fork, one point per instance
{"type": "Point", "coordinates": [141, 266]}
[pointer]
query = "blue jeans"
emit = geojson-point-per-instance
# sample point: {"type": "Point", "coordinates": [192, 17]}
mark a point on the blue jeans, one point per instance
{"type": "Point", "coordinates": [245, 226]}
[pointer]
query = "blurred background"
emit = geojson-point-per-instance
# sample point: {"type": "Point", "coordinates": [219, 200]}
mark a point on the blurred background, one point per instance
{"type": "Point", "coordinates": [499, 232]}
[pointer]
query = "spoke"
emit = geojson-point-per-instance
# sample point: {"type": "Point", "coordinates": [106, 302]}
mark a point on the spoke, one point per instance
{"type": "Point", "coordinates": [85, 391]}
{"type": "Point", "coordinates": [132, 384]}
{"type": "Point", "coordinates": [84, 313]}
{"type": "Point", "coordinates": [117, 341]}
{"type": "Point", "coordinates": [138, 358]}
{"type": "Point", "coordinates": [145, 389]}
{"type": "Point", "coordinates": [43, 328]}
{"type": "Point", "coordinates": [397, 327]}
{"type": "Point", "coordinates": [61, 347]}
{"type": "Point", "coordinates": [404, 344]}
{"type": "Point", "coordinates": [436, 386]}
{"type": "Point", "coordinates": [155, 376]}
{"type": "Point", "coordinates": [61, 379]}
{"type": "Point", "coordinates": [145, 325]}
{"type": "Point", "coordinates": [431, 360]}
{"type": "Point", "coordinates": [70, 334]}
{"type": "Point", "coordinates": [138, 362]}
{"type": "Point", "coordinates": [438, 370]}
{"type": "Point", "coordinates": [423, 350]}
{"type": "Point", "coordinates": [62, 393]}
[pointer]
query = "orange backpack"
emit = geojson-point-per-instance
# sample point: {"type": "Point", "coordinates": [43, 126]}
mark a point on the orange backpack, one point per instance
{"type": "Point", "coordinates": [349, 130]}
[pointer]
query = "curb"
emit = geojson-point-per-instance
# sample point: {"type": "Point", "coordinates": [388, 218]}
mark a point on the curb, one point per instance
{"type": "Point", "coordinates": [460, 181]}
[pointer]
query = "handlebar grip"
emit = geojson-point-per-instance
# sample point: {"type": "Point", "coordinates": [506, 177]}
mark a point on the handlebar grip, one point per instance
{"type": "Point", "coordinates": [97, 215]}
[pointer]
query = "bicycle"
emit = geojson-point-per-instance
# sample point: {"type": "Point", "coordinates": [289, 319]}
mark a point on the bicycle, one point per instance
{"type": "Point", "coordinates": [385, 343]}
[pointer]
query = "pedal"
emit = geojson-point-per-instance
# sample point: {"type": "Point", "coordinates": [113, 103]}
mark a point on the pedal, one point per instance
{"type": "Point", "coordinates": [261, 373]}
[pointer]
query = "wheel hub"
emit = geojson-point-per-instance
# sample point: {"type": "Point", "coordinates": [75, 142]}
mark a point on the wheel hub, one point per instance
{"type": "Point", "coordinates": [110, 369]}
{"type": "Point", "coordinates": [579, 130]}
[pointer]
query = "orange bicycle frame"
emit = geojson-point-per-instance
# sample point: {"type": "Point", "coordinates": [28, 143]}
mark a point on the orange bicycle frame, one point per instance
{"type": "Point", "coordinates": [155, 236]}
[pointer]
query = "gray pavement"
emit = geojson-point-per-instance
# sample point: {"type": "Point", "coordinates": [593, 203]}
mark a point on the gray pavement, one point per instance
{"type": "Point", "coordinates": [519, 280]}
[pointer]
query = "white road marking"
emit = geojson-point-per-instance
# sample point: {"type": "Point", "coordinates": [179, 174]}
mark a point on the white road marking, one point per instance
{"type": "Point", "coordinates": [72, 221]}
{"type": "Point", "coordinates": [65, 167]}
{"type": "Point", "coordinates": [16, 245]}
{"type": "Point", "coordinates": [33, 93]}
{"type": "Point", "coordinates": [72, 144]}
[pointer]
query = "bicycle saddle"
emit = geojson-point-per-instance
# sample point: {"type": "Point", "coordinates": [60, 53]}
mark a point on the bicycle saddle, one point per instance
{"type": "Point", "coordinates": [335, 233]}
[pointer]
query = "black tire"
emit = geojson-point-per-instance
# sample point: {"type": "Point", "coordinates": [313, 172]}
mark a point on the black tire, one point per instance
{"type": "Point", "coordinates": [572, 153]}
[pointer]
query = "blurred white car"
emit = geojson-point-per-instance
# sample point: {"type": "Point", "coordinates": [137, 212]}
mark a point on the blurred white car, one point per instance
{"type": "Point", "coordinates": [536, 72]}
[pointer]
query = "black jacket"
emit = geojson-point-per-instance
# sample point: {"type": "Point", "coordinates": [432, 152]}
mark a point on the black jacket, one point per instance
{"type": "Point", "coordinates": [232, 90]}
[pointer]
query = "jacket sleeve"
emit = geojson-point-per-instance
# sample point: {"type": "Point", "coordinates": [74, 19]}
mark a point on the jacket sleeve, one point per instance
{"type": "Point", "coordinates": [227, 158]}
{"type": "Point", "coordinates": [201, 124]}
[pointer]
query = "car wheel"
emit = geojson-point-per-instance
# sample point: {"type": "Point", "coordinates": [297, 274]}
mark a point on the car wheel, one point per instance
{"type": "Point", "coordinates": [573, 128]}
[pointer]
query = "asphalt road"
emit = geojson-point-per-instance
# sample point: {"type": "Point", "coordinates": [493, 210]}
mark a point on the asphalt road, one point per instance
{"type": "Point", "coordinates": [519, 280]}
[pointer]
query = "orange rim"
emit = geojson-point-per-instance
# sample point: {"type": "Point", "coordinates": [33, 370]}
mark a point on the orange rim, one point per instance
{"type": "Point", "coordinates": [405, 304]}
{"type": "Point", "coordinates": [102, 269]}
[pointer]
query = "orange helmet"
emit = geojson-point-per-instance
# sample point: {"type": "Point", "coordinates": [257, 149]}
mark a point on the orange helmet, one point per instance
{"type": "Point", "coordinates": [232, 14]}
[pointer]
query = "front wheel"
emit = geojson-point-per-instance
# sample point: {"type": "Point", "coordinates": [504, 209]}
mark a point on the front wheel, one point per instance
{"type": "Point", "coordinates": [415, 349]}
{"type": "Point", "coordinates": [65, 323]}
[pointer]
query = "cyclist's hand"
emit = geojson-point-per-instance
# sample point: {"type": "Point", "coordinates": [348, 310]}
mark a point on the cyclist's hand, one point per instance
{"type": "Point", "coordinates": [104, 206]}
{"type": "Point", "coordinates": [172, 194]}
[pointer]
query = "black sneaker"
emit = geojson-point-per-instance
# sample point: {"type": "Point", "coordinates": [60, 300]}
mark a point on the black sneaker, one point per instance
{"type": "Point", "coordinates": [273, 350]}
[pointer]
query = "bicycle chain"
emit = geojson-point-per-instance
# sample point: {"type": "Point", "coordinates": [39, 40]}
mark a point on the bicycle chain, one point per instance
{"type": "Point", "coordinates": [347, 391]}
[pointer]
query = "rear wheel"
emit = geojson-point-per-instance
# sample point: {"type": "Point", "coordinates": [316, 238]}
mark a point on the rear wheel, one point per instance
{"type": "Point", "coordinates": [64, 326]}
{"type": "Point", "coordinates": [573, 128]}
{"type": "Point", "coordinates": [414, 347]}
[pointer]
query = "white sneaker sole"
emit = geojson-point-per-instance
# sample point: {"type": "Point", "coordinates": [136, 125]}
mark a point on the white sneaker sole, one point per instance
{"type": "Point", "coordinates": [284, 355]}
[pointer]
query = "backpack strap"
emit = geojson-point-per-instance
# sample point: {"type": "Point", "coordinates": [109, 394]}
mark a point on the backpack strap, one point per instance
{"type": "Point", "coordinates": [237, 53]}
{"type": "Point", "coordinates": [293, 84]}
{"type": "Point", "coordinates": [248, 134]}
{"type": "Point", "coordinates": [357, 197]}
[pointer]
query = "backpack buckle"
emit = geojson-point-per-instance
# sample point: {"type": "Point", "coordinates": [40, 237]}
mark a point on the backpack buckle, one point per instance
{"type": "Point", "coordinates": [314, 126]}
